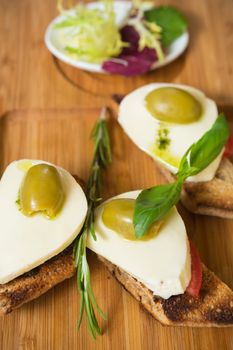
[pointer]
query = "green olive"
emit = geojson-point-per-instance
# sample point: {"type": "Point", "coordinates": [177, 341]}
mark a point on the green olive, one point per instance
{"type": "Point", "coordinates": [173, 105]}
{"type": "Point", "coordinates": [118, 216]}
{"type": "Point", "coordinates": [41, 191]}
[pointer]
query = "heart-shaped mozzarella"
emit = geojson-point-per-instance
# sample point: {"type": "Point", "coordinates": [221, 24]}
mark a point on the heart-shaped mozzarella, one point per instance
{"type": "Point", "coordinates": [27, 242]}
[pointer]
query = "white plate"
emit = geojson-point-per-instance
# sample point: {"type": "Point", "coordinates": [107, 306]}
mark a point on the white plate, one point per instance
{"type": "Point", "coordinates": [121, 9]}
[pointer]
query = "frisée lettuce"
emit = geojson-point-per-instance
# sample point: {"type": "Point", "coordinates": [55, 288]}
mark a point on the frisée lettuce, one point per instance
{"type": "Point", "coordinates": [90, 34]}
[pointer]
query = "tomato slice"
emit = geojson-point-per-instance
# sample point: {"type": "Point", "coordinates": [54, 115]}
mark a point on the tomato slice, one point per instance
{"type": "Point", "coordinates": [228, 148]}
{"type": "Point", "coordinates": [194, 286]}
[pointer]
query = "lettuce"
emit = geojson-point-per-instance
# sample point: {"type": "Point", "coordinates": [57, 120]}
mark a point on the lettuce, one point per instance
{"type": "Point", "coordinates": [149, 34]}
{"type": "Point", "coordinates": [89, 34]}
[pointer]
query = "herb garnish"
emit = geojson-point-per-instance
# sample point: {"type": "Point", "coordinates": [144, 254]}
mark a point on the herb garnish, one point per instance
{"type": "Point", "coordinates": [154, 203]}
{"type": "Point", "coordinates": [101, 159]}
{"type": "Point", "coordinates": [163, 140]}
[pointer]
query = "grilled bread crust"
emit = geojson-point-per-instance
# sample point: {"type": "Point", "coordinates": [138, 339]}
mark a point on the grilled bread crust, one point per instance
{"type": "Point", "coordinates": [36, 282]}
{"type": "Point", "coordinates": [214, 198]}
{"type": "Point", "coordinates": [213, 307]}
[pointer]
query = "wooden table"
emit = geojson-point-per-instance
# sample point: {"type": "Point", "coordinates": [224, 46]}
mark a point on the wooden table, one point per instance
{"type": "Point", "coordinates": [31, 78]}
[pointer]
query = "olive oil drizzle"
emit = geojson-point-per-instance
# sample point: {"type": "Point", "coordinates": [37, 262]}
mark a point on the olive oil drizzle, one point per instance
{"type": "Point", "coordinates": [161, 146]}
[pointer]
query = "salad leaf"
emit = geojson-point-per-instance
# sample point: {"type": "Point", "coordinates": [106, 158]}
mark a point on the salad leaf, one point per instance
{"type": "Point", "coordinates": [154, 203]}
{"type": "Point", "coordinates": [131, 65]}
{"type": "Point", "coordinates": [90, 34]}
{"type": "Point", "coordinates": [130, 36]}
{"type": "Point", "coordinates": [149, 34]}
{"type": "Point", "coordinates": [171, 20]}
{"type": "Point", "coordinates": [131, 61]}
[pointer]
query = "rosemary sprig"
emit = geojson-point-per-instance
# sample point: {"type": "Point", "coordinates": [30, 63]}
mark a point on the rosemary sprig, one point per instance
{"type": "Point", "coordinates": [101, 159]}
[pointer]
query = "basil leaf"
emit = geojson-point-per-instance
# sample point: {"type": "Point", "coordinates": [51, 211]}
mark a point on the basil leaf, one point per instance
{"type": "Point", "coordinates": [205, 150]}
{"type": "Point", "coordinates": [152, 204]}
{"type": "Point", "coordinates": [171, 20]}
{"type": "Point", "coordinates": [185, 170]}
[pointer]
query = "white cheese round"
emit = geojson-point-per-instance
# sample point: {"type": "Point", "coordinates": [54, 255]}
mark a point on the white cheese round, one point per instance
{"type": "Point", "coordinates": [143, 128]}
{"type": "Point", "coordinates": [162, 263]}
{"type": "Point", "coordinates": [26, 242]}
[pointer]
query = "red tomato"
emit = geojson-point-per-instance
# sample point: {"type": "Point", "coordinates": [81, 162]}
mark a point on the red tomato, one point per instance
{"type": "Point", "coordinates": [228, 148]}
{"type": "Point", "coordinates": [196, 272]}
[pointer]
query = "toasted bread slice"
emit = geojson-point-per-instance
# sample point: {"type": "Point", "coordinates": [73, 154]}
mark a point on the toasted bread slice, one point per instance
{"type": "Point", "coordinates": [214, 306]}
{"type": "Point", "coordinates": [36, 282]}
{"type": "Point", "coordinates": [213, 197]}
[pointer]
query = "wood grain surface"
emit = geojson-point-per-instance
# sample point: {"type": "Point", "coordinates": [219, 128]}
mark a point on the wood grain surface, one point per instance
{"type": "Point", "coordinates": [31, 78]}
{"type": "Point", "coordinates": [62, 137]}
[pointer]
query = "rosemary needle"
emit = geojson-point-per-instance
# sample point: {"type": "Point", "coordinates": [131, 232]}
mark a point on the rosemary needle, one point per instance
{"type": "Point", "coordinates": [101, 159]}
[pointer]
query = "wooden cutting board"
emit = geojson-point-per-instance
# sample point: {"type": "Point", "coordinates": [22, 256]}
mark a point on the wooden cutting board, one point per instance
{"type": "Point", "coordinates": [62, 137]}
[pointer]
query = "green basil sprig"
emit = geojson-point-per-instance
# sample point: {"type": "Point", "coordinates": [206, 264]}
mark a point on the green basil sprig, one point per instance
{"type": "Point", "coordinates": [154, 203]}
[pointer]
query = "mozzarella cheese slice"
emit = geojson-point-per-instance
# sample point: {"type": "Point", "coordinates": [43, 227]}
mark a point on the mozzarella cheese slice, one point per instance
{"type": "Point", "coordinates": [143, 128]}
{"type": "Point", "coordinates": [26, 242]}
{"type": "Point", "coordinates": [162, 263]}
